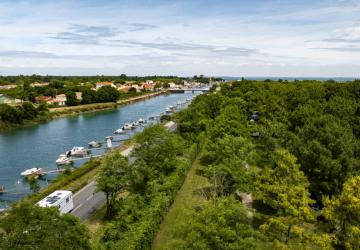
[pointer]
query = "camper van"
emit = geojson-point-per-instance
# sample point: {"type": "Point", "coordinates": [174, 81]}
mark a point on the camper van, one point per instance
{"type": "Point", "coordinates": [61, 198]}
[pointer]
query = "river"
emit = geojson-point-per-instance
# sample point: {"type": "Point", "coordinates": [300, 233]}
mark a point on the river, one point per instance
{"type": "Point", "coordinates": [40, 145]}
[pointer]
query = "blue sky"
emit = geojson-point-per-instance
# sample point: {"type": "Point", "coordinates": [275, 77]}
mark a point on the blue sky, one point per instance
{"type": "Point", "coordinates": [181, 37]}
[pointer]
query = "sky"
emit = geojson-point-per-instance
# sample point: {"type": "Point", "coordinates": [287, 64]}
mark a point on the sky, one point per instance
{"type": "Point", "coordinates": [181, 37]}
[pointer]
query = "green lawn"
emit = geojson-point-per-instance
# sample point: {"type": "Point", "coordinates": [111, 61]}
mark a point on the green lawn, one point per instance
{"type": "Point", "coordinates": [186, 199]}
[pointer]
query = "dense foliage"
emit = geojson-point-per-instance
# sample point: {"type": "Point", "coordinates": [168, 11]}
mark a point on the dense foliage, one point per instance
{"type": "Point", "coordinates": [145, 189]}
{"type": "Point", "coordinates": [294, 147]}
{"type": "Point", "coordinates": [32, 227]}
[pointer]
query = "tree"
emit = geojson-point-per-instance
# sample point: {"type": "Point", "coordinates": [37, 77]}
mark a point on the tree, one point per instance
{"type": "Point", "coordinates": [28, 227]}
{"type": "Point", "coordinates": [223, 225]}
{"type": "Point", "coordinates": [283, 187]}
{"type": "Point", "coordinates": [34, 185]}
{"type": "Point", "coordinates": [113, 179]}
{"type": "Point", "coordinates": [343, 214]}
{"type": "Point", "coordinates": [107, 94]}
{"type": "Point", "coordinates": [28, 111]}
{"type": "Point", "coordinates": [88, 96]}
{"type": "Point", "coordinates": [166, 85]}
{"type": "Point", "coordinates": [71, 99]}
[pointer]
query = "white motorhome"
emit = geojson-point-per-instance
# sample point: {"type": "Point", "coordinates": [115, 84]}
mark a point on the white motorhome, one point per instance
{"type": "Point", "coordinates": [61, 199]}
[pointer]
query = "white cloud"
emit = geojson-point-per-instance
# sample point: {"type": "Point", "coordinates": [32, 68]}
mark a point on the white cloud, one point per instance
{"type": "Point", "coordinates": [180, 37]}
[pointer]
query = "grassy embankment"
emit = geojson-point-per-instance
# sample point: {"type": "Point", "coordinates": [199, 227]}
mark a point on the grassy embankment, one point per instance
{"type": "Point", "coordinates": [187, 198]}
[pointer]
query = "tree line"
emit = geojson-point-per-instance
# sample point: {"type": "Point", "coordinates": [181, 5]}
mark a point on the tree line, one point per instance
{"type": "Point", "coordinates": [299, 162]}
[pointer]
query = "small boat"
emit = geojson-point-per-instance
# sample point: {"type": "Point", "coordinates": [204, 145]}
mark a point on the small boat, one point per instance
{"type": "Point", "coordinates": [141, 121]}
{"type": "Point", "coordinates": [135, 124]}
{"type": "Point", "coordinates": [2, 189]}
{"type": "Point", "coordinates": [127, 126]}
{"type": "Point", "coordinates": [120, 131]}
{"type": "Point", "coordinates": [178, 103]}
{"type": "Point", "coordinates": [94, 144]}
{"type": "Point", "coordinates": [77, 152]}
{"type": "Point", "coordinates": [32, 172]}
{"type": "Point", "coordinates": [63, 160]}
{"type": "Point", "coordinates": [151, 118]}
{"type": "Point", "coordinates": [168, 111]}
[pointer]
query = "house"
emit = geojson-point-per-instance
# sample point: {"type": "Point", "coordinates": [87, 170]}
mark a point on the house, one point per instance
{"type": "Point", "coordinates": [42, 99]}
{"type": "Point", "coordinates": [58, 100]}
{"type": "Point", "coordinates": [12, 86]}
{"type": "Point", "coordinates": [103, 84]}
{"type": "Point", "coordinates": [78, 96]}
{"type": "Point", "coordinates": [4, 99]}
{"type": "Point", "coordinates": [39, 84]}
{"type": "Point", "coordinates": [149, 86]}
{"type": "Point", "coordinates": [137, 87]}
{"type": "Point", "coordinates": [124, 88]}
{"type": "Point", "coordinates": [172, 84]}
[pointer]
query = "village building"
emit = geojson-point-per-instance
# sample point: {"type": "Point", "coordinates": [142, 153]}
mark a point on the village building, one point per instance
{"type": "Point", "coordinates": [78, 96]}
{"type": "Point", "coordinates": [42, 99]}
{"type": "Point", "coordinates": [59, 100]}
{"type": "Point", "coordinates": [4, 99]}
{"type": "Point", "coordinates": [124, 88]}
{"type": "Point", "coordinates": [103, 84]}
{"type": "Point", "coordinates": [11, 86]}
{"type": "Point", "coordinates": [39, 84]}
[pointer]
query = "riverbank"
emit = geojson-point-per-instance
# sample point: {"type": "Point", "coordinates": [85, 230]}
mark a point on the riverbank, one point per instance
{"type": "Point", "coordinates": [55, 113]}
{"type": "Point", "coordinates": [94, 107]}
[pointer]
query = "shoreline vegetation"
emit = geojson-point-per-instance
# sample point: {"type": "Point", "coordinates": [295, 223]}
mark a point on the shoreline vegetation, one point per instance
{"type": "Point", "coordinates": [61, 112]}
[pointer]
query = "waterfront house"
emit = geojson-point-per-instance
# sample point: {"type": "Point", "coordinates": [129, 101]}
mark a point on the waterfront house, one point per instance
{"type": "Point", "coordinates": [103, 84]}
{"type": "Point", "coordinates": [59, 100]}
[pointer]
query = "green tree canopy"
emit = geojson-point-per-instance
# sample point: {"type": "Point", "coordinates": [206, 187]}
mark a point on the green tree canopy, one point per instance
{"type": "Point", "coordinates": [31, 227]}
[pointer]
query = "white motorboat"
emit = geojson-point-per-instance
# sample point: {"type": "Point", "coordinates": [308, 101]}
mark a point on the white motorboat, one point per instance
{"type": "Point", "coordinates": [94, 144]}
{"type": "Point", "coordinates": [141, 121]}
{"type": "Point", "coordinates": [151, 118]}
{"type": "Point", "coordinates": [127, 126]}
{"type": "Point", "coordinates": [32, 172]}
{"type": "Point", "coordinates": [135, 124]}
{"type": "Point", "coordinates": [120, 131]}
{"type": "Point", "coordinates": [63, 160]}
{"type": "Point", "coordinates": [77, 152]}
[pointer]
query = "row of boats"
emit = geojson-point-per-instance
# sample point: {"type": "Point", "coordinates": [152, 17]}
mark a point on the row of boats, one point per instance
{"type": "Point", "coordinates": [80, 152]}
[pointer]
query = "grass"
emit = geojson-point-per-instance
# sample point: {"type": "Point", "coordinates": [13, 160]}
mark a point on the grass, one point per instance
{"type": "Point", "coordinates": [95, 224]}
{"type": "Point", "coordinates": [185, 200]}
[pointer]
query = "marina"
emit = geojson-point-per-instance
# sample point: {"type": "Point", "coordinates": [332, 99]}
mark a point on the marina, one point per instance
{"type": "Point", "coordinates": [74, 140]}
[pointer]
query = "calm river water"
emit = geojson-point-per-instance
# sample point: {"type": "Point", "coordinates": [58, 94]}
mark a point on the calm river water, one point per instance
{"type": "Point", "coordinates": [40, 145]}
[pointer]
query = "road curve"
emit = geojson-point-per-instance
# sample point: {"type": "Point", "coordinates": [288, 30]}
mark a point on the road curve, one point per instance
{"type": "Point", "coordinates": [87, 200]}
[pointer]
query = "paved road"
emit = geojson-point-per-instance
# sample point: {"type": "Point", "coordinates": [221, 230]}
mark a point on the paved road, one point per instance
{"type": "Point", "coordinates": [87, 200]}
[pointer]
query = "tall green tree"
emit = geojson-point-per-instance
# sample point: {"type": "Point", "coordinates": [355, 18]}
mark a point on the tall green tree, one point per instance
{"type": "Point", "coordinates": [343, 213]}
{"type": "Point", "coordinates": [283, 187]}
{"type": "Point", "coordinates": [113, 179]}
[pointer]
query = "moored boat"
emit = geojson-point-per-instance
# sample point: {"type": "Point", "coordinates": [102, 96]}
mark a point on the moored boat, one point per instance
{"type": "Point", "coordinates": [77, 152]}
{"type": "Point", "coordinates": [63, 160]}
{"type": "Point", "coordinates": [127, 126]}
{"type": "Point", "coordinates": [120, 131]}
{"type": "Point", "coordinates": [94, 144]}
{"type": "Point", "coordinates": [32, 172]}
